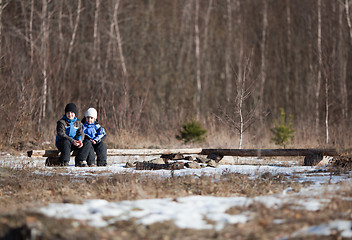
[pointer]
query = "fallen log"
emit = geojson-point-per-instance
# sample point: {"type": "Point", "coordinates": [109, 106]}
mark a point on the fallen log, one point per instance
{"type": "Point", "coordinates": [154, 166]}
{"type": "Point", "coordinates": [269, 152]}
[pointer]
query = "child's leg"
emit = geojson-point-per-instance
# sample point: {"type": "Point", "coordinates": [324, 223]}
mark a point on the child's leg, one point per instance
{"type": "Point", "coordinates": [101, 151]}
{"type": "Point", "coordinates": [65, 148]}
{"type": "Point", "coordinates": [83, 152]}
{"type": "Point", "coordinates": [91, 157]}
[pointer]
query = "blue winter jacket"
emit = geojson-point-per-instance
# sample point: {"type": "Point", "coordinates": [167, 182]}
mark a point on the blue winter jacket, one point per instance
{"type": "Point", "coordinates": [69, 129]}
{"type": "Point", "coordinates": [94, 131]}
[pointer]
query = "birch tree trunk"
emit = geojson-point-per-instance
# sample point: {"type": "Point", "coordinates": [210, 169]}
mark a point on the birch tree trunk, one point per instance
{"type": "Point", "coordinates": [197, 42]}
{"type": "Point", "coordinates": [1, 9]}
{"type": "Point", "coordinates": [206, 57]}
{"type": "Point", "coordinates": [344, 80]}
{"type": "Point", "coordinates": [31, 31]}
{"type": "Point", "coordinates": [228, 51]}
{"type": "Point", "coordinates": [263, 56]}
{"type": "Point", "coordinates": [326, 110]}
{"type": "Point", "coordinates": [73, 37]}
{"type": "Point", "coordinates": [320, 62]}
{"type": "Point", "coordinates": [125, 116]}
{"type": "Point", "coordinates": [96, 49]}
{"type": "Point", "coordinates": [45, 39]}
{"type": "Point", "coordinates": [240, 41]}
{"type": "Point", "coordinates": [119, 41]}
{"type": "Point", "coordinates": [289, 51]}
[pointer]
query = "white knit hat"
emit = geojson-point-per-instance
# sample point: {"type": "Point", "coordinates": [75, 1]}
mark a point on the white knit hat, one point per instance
{"type": "Point", "coordinates": [91, 112]}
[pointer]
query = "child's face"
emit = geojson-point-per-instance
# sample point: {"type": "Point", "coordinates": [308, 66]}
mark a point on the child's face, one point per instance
{"type": "Point", "coordinates": [90, 120]}
{"type": "Point", "coordinates": [70, 115]}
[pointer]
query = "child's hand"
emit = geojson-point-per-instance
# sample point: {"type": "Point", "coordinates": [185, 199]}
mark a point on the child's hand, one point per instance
{"type": "Point", "coordinates": [93, 141]}
{"type": "Point", "coordinates": [78, 143]}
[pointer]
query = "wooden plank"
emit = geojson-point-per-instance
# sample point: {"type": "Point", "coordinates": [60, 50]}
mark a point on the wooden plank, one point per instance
{"type": "Point", "coordinates": [146, 152]}
{"type": "Point", "coordinates": [269, 152]}
{"type": "Point", "coordinates": [42, 153]}
{"type": "Point", "coordinates": [122, 152]}
{"type": "Point", "coordinates": [221, 152]}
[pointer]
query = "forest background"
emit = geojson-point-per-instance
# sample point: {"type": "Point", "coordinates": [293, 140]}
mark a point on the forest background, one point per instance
{"type": "Point", "coordinates": [150, 66]}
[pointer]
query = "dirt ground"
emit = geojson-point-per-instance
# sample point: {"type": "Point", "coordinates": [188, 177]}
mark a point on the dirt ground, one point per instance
{"type": "Point", "coordinates": [22, 191]}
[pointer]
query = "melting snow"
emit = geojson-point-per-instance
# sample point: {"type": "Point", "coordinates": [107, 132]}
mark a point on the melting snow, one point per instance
{"type": "Point", "coordinates": [197, 212]}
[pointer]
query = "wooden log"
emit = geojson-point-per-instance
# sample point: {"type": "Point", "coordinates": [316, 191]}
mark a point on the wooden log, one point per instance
{"type": "Point", "coordinates": [269, 152]}
{"type": "Point", "coordinates": [154, 166]}
{"type": "Point", "coordinates": [122, 152]}
{"type": "Point", "coordinates": [43, 153]}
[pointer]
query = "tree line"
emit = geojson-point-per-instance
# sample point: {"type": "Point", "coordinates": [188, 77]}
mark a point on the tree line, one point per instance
{"type": "Point", "coordinates": [148, 66]}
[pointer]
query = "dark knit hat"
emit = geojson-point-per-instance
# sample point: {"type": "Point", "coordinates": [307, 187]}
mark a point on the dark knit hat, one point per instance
{"type": "Point", "coordinates": [71, 107]}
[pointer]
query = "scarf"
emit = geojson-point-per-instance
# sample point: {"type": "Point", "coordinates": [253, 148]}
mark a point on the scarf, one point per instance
{"type": "Point", "coordinates": [72, 132]}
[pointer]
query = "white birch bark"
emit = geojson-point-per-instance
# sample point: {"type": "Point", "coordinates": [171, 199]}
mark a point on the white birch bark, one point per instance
{"type": "Point", "coordinates": [241, 73]}
{"type": "Point", "coordinates": [73, 36]}
{"type": "Point", "coordinates": [344, 78]}
{"type": "Point", "coordinates": [45, 39]}
{"type": "Point", "coordinates": [207, 63]}
{"type": "Point", "coordinates": [320, 62]}
{"type": "Point", "coordinates": [326, 110]}
{"type": "Point", "coordinates": [240, 44]}
{"type": "Point", "coordinates": [197, 43]}
{"type": "Point", "coordinates": [228, 49]}
{"type": "Point", "coordinates": [263, 55]}
{"type": "Point", "coordinates": [96, 46]}
{"type": "Point", "coordinates": [31, 31]}
{"type": "Point", "coordinates": [1, 9]}
{"type": "Point", "coordinates": [119, 40]}
{"type": "Point", "coordinates": [125, 116]}
{"type": "Point", "coordinates": [289, 50]}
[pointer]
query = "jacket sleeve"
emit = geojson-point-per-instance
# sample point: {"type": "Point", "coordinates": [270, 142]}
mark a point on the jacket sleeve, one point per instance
{"type": "Point", "coordinates": [61, 132]}
{"type": "Point", "coordinates": [80, 133]}
{"type": "Point", "coordinates": [100, 134]}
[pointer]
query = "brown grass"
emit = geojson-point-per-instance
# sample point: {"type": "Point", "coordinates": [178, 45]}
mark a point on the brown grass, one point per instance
{"type": "Point", "coordinates": [22, 190]}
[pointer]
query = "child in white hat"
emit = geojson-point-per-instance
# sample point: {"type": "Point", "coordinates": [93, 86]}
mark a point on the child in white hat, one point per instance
{"type": "Point", "coordinates": [94, 135]}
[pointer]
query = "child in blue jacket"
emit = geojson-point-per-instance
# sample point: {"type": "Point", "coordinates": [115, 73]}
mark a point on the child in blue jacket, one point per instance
{"type": "Point", "coordinates": [70, 136]}
{"type": "Point", "coordinates": [94, 135]}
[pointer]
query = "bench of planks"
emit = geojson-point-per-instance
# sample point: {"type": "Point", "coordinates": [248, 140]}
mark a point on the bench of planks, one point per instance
{"type": "Point", "coordinates": [120, 152]}
{"type": "Point", "coordinates": [200, 151]}
{"type": "Point", "coordinates": [312, 156]}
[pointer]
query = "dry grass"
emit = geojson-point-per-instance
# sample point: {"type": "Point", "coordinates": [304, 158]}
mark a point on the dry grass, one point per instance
{"type": "Point", "coordinates": [22, 190]}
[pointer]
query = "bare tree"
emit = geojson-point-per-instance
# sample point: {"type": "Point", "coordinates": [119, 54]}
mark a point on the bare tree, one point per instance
{"type": "Point", "coordinates": [228, 51]}
{"type": "Point", "coordinates": [31, 31]}
{"type": "Point", "coordinates": [289, 48]}
{"type": "Point", "coordinates": [326, 110]}
{"type": "Point", "coordinates": [343, 79]}
{"type": "Point", "coordinates": [263, 53]}
{"type": "Point", "coordinates": [119, 40]}
{"type": "Point", "coordinates": [207, 65]}
{"type": "Point", "coordinates": [44, 52]}
{"type": "Point", "coordinates": [197, 42]}
{"type": "Point", "coordinates": [320, 63]}
{"type": "Point", "coordinates": [126, 93]}
{"type": "Point", "coordinates": [240, 119]}
{"type": "Point", "coordinates": [2, 7]}
{"type": "Point", "coordinates": [73, 36]}
{"type": "Point", "coordinates": [96, 46]}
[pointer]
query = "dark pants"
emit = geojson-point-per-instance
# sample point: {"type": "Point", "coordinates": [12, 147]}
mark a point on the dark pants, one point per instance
{"type": "Point", "coordinates": [66, 147]}
{"type": "Point", "coordinates": [100, 149]}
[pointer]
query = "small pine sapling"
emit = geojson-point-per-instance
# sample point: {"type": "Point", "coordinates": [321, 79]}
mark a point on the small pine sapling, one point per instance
{"type": "Point", "coordinates": [283, 130]}
{"type": "Point", "coordinates": [192, 132]}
